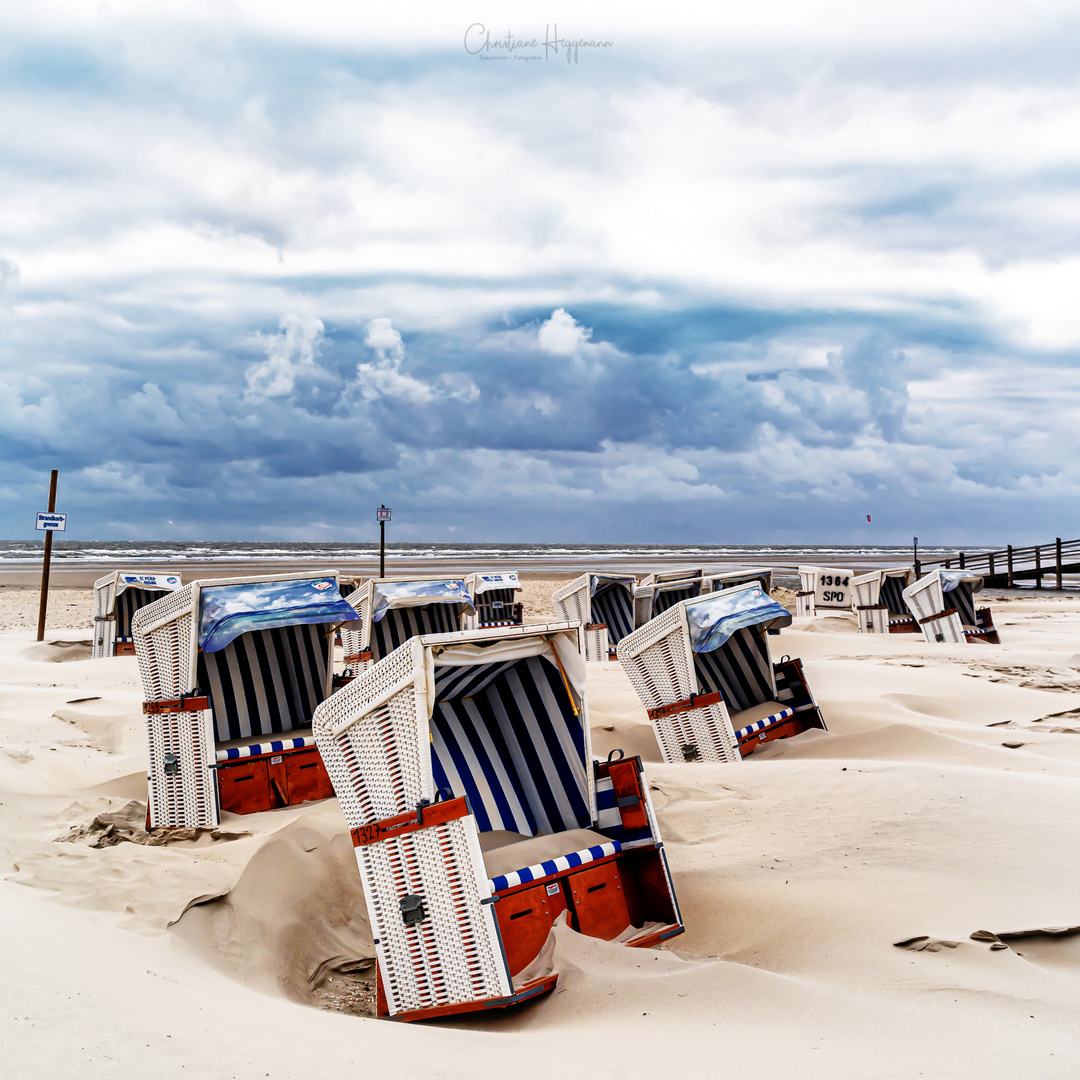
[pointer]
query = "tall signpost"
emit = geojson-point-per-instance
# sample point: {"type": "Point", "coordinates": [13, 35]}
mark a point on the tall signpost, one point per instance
{"type": "Point", "coordinates": [48, 523]}
{"type": "Point", "coordinates": [383, 514]}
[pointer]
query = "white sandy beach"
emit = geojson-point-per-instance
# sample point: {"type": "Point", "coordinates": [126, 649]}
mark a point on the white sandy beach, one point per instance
{"type": "Point", "coordinates": [944, 800]}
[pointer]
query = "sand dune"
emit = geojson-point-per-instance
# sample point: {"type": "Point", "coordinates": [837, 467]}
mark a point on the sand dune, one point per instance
{"type": "Point", "coordinates": [943, 801]}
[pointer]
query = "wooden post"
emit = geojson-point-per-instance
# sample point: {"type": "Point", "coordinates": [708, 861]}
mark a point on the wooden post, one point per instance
{"type": "Point", "coordinates": [1009, 554]}
{"type": "Point", "coordinates": [915, 555]}
{"type": "Point", "coordinates": [990, 563]}
{"type": "Point", "coordinates": [1057, 553]}
{"type": "Point", "coordinates": [44, 603]}
{"type": "Point", "coordinates": [961, 560]}
{"type": "Point", "coordinates": [383, 514]}
{"type": "Point", "coordinates": [1038, 567]}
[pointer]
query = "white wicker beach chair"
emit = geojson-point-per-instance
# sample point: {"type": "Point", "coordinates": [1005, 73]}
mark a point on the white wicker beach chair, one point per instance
{"type": "Point", "coordinates": [232, 671]}
{"type": "Point", "coordinates": [495, 598]}
{"type": "Point", "coordinates": [604, 604]}
{"type": "Point", "coordinates": [117, 596]}
{"type": "Point", "coordinates": [824, 590]}
{"type": "Point", "coordinates": [393, 609]}
{"type": "Point", "coordinates": [879, 604]}
{"type": "Point", "coordinates": [462, 763]}
{"type": "Point", "coordinates": [944, 607]}
{"type": "Point", "coordinates": [703, 671]}
{"type": "Point", "coordinates": [716, 580]}
{"type": "Point", "coordinates": [657, 592]}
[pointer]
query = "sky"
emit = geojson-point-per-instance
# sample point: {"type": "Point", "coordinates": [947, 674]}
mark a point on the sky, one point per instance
{"type": "Point", "coordinates": [722, 274]}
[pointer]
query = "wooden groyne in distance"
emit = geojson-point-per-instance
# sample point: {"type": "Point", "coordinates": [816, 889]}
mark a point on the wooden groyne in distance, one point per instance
{"type": "Point", "coordinates": [1002, 569]}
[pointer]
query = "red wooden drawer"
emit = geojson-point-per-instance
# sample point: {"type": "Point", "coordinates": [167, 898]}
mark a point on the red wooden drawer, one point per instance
{"type": "Point", "coordinates": [524, 921]}
{"type": "Point", "coordinates": [306, 777]}
{"type": "Point", "coordinates": [600, 902]}
{"type": "Point", "coordinates": [245, 787]}
{"type": "Point", "coordinates": [785, 729]}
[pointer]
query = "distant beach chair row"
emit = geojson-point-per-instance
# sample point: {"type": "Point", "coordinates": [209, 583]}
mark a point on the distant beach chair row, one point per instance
{"type": "Point", "coordinates": [941, 604]}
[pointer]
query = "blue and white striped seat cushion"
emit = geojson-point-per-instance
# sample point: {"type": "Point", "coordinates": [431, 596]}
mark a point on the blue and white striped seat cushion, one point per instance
{"type": "Point", "coordinates": [761, 725]}
{"type": "Point", "coordinates": [271, 746]}
{"type": "Point", "coordinates": [553, 866]}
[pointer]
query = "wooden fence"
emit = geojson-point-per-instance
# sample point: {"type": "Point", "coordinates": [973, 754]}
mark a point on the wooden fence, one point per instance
{"type": "Point", "coordinates": [1002, 569]}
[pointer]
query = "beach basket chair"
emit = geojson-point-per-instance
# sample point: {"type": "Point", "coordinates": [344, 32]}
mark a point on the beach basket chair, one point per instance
{"type": "Point", "coordinates": [943, 605]}
{"type": "Point", "coordinates": [117, 596]}
{"type": "Point", "coordinates": [823, 590]}
{"type": "Point", "coordinates": [495, 597]}
{"type": "Point", "coordinates": [463, 766]}
{"type": "Point", "coordinates": [878, 600]}
{"type": "Point", "coordinates": [703, 671]}
{"type": "Point", "coordinates": [391, 610]}
{"type": "Point", "coordinates": [603, 604]}
{"type": "Point", "coordinates": [232, 671]}
{"type": "Point", "coordinates": [715, 580]}
{"type": "Point", "coordinates": [657, 592]}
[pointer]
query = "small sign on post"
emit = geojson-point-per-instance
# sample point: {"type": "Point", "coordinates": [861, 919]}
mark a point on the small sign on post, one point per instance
{"type": "Point", "coordinates": [383, 515]}
{"type": "Point", "coordinates": [48, 523]}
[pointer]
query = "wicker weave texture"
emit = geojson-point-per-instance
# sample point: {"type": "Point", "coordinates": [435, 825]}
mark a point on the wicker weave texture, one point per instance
{"type": "Point", "coordinates": [571, 601]}
{"type": "Point", "coordinates": [162, 632]}
{"type": "Point", "coordinates": [355, 635]}
{"type": "Point", "coordinates": [180, 746]}
{"type": "Point", "coordinates": [660, 665]}
{"type": "Point", "coordinates": [596, 643]}
{"type": "Point", "coordinates": [454, 954]}
{"type": "Point", "coordinates": [658, 661]}
{"type": "Point", "coordinates": [707, 731]}
{"type": "Point", "coordinates": [104, 643]}
{"type": "Point", "coordinates": [180, 783]}
{"type": "Point", "coordinates": [866, 593]}
{"type": "Point", "coordinates": [374, 743]}
{"type": "Point", "coordinates": [925, 598]}
{"type": "Point", "coordinates": [804, 600]}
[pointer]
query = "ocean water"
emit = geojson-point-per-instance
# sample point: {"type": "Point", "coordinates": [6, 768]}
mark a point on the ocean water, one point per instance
{"type": "Point", "coordinates": [73, 553]}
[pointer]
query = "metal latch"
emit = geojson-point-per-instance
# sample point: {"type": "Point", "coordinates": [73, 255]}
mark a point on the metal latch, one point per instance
{"type": "Point", "coordinates": [172, 764]}
{"type": "Point", "coordinates": [412, 909]}
{"type": "Point", "coordinates": [691, 753]}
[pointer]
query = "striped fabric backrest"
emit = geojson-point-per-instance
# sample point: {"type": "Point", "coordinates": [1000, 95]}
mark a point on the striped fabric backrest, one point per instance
{"type": "Point", "coordinates": [504, 596]}
{"type": "Point", "coordinates": [892, 595]}
{"type": "Point", "coordinates": [265, 681]}
{"type": "Point", "coordinates": [963, 600]}
{"type": "Point", "coordinates": [128, 602]}
{"type": "Point", "coordinates": [611, 604]}
{"type": "Point", "coordinates": [400, 624]}
{"type": "Point", "coordinates": [739, 669]}
{"type": "Point", "coordinates": [505, 736]}
{"type": "Point", "coordinates": [666, 598]}
{"type": "Point", "coordinates": [496, 606]}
